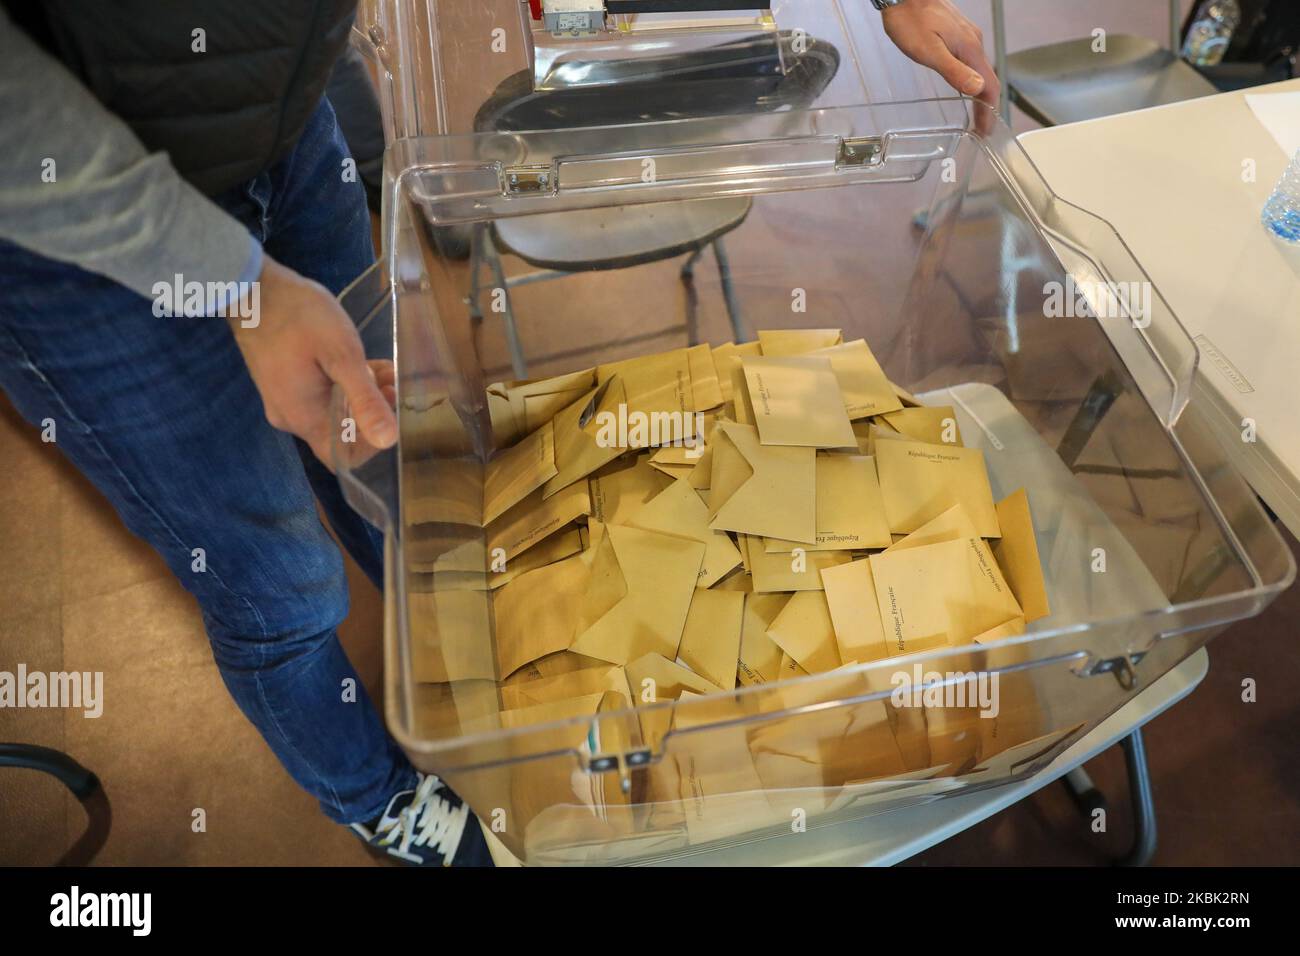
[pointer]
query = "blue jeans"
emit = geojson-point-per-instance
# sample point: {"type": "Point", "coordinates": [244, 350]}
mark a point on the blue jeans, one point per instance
{"type": "Point", "coordinates": [161, 414]}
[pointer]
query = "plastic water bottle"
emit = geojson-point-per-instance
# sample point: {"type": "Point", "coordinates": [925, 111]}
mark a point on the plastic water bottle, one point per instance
{"type": "Point", "coordinates": [1212, 29]}
{"type": "Point", "coordinates": [1282, 211]}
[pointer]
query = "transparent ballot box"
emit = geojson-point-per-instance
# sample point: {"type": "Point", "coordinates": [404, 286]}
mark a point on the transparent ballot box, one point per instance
{"type": "Point", "coordinates": [534, 237]}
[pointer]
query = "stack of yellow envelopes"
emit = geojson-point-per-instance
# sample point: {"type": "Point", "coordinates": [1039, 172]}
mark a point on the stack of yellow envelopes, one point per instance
{"type": "Point", "coordinates": [672, 527]}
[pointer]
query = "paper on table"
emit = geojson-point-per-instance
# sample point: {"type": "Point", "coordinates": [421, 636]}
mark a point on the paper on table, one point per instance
{"type": "Point", "coordinates": [920, 481]}
{"type": "Point", "coordinates": [1279, 113]}
{"type": "Point", "coordinates": [711, 638]}
{"type": "Point", "coordinates": [512, 475]}
{"type": "Point", "coordinates": [850, 509]}
{"type": "Point", "coordinates": [761, 489]}
{"type": "Point", "coordinates": [797, 401]}
{"type": "Point", "coordinates": [639, 592]}
{"type": "Point", "coordinates": [679, 510]}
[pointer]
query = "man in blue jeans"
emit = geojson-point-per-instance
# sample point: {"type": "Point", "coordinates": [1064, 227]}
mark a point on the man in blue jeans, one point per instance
{"type": "Point", "coordinates": [148, 146]}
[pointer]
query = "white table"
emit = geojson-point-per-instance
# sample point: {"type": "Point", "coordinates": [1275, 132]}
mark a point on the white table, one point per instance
{"type": "Point", "coordinates": [1170, 180]}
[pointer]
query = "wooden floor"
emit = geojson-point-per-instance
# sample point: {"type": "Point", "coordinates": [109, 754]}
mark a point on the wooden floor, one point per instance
{"type": "Point", "coordinates": [77, 592]}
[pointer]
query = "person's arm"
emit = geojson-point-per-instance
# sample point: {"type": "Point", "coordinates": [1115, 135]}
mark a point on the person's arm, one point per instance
{"type": "Point", "coordinates": [934, 33]}
{"type": "Point", "coordinates": [77, 186]}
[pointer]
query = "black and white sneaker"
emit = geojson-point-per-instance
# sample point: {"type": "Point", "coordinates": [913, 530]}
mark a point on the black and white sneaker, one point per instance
{"type": "Point", "coordinates": [428, 826]}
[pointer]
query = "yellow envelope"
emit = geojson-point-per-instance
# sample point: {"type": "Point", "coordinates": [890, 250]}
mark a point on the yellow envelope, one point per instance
{"type": "Point", "coordinates": [654, 679]}
{"type": "Point", "coordinates": [936, 424]}
{"type": "Point", "coordinates": [953, 588]}
{"type": "Point", "coordinates": [791, 667]}
{"type": "Point", "coordinates": [850, 594]}
{"type": "Point", "coordinates": [863, 385]}
{"type": "Point", "coordinates": [726, 359]}
{"type": "Point", "coordinates": [552, 665]}
{"type": "Point", "coordinates": [711, 638]}
{"type": "Point", "coordinates": [533, 519]}
{"type": "Point", "coordinates": [797, 401]}
{"type": "Point", "coordinates": [920, 481]}
{"type": "Point", "coordinates": [706, 385]}
{"type": "Point", "coordinates": [760, 656]}
{"type": "Point", "coordinates": [797, 341]}
{"type": "Point", "coordinates": [534, 613]}
{"type": "Point", "coordinates": [679, 510]}
{"type": "Point", "coordinates": [796, 571]}
{"type": "Point", "coordinates": [655, 384]}
{"type": "Point", "coordinates": [1017, 554]}
{"type": "Point", "coordinates": [517, 472]}
{"type": "Point", "coordinates": [850, 509]}
{"type": "Point", "coordinates": [742, 408]}
{"type": "Point", "coordinates": [674, 472]}
{"type": "Point", "coordinates": [761, 489]}
{"type": "Point", "coordinates": [581, 683]}
{"type": "Point", "coordinates": [623, 486]}
{"type": "Point", "coordinates": [580, 430]}
{"type": "Point", "coordinates": [451, 636]}
{"type": "Point", "coordinates": [554, 548]}
{"type": "Point", "coordinates": [907, 398]}
{"type": "Point", "coordinates": [804, 630]}
{"type": "Point", "coordinates": [640, 589]}
{"type": "Point", "coordinates": [530, 403]}
{"type": "Point", "coordinates": [948, 526]}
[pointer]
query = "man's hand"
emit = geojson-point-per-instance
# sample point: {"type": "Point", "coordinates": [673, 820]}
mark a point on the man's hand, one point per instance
{"type": "Point", "coordinates": [934, 33]}
{"type": "Point", "coordinates": [303, 344]}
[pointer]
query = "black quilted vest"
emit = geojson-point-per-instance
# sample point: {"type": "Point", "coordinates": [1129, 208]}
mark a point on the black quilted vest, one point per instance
{"type": "Point", "coordinates": [223, 115]}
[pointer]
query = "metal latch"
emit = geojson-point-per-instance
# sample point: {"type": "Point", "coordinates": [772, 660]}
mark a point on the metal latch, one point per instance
{"type": "Point", "coordinates": [1121, 667]}
{"type": "Point", "coordinates": [527, 180]}
{"type": "Point", "coordinates": [857, 151]}
{"type": "Point", "coordinates": [620, 763]}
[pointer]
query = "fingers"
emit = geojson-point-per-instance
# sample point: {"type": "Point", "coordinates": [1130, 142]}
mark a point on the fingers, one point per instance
{"type": "Point", "coordinates": [346, 365]}
{"type": "Point", "coordinates": [955, 73]}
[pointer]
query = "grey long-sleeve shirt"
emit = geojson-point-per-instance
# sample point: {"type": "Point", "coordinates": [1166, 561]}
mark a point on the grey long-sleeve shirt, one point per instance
{"type": "Point", "coordinates": [76, 185]}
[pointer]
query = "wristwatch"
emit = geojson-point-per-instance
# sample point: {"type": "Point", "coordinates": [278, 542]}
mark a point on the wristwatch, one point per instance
{"type": "Point", "coordinates": [885, 4]}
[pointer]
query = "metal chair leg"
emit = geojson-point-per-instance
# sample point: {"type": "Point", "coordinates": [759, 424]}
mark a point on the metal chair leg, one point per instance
{"type": "Point", "coordinates": [517, 362]}
{"type": "Point", "coordinates": [729, 291]}
{"type": "Point", "coordinates": [475, 264]}
{"type": "Point", "coordinates": [1143, 802]}
{"type": "Point", "coordinates": [692, 297]}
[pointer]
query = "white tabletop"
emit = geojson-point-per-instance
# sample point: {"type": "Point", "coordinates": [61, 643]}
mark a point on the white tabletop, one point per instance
{"type": "Point", "coordinates": [1174, 181]}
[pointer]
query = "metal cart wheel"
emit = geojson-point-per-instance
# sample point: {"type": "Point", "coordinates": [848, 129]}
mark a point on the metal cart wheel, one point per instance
{"type": "Point", "coordinates": [85, 786]}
